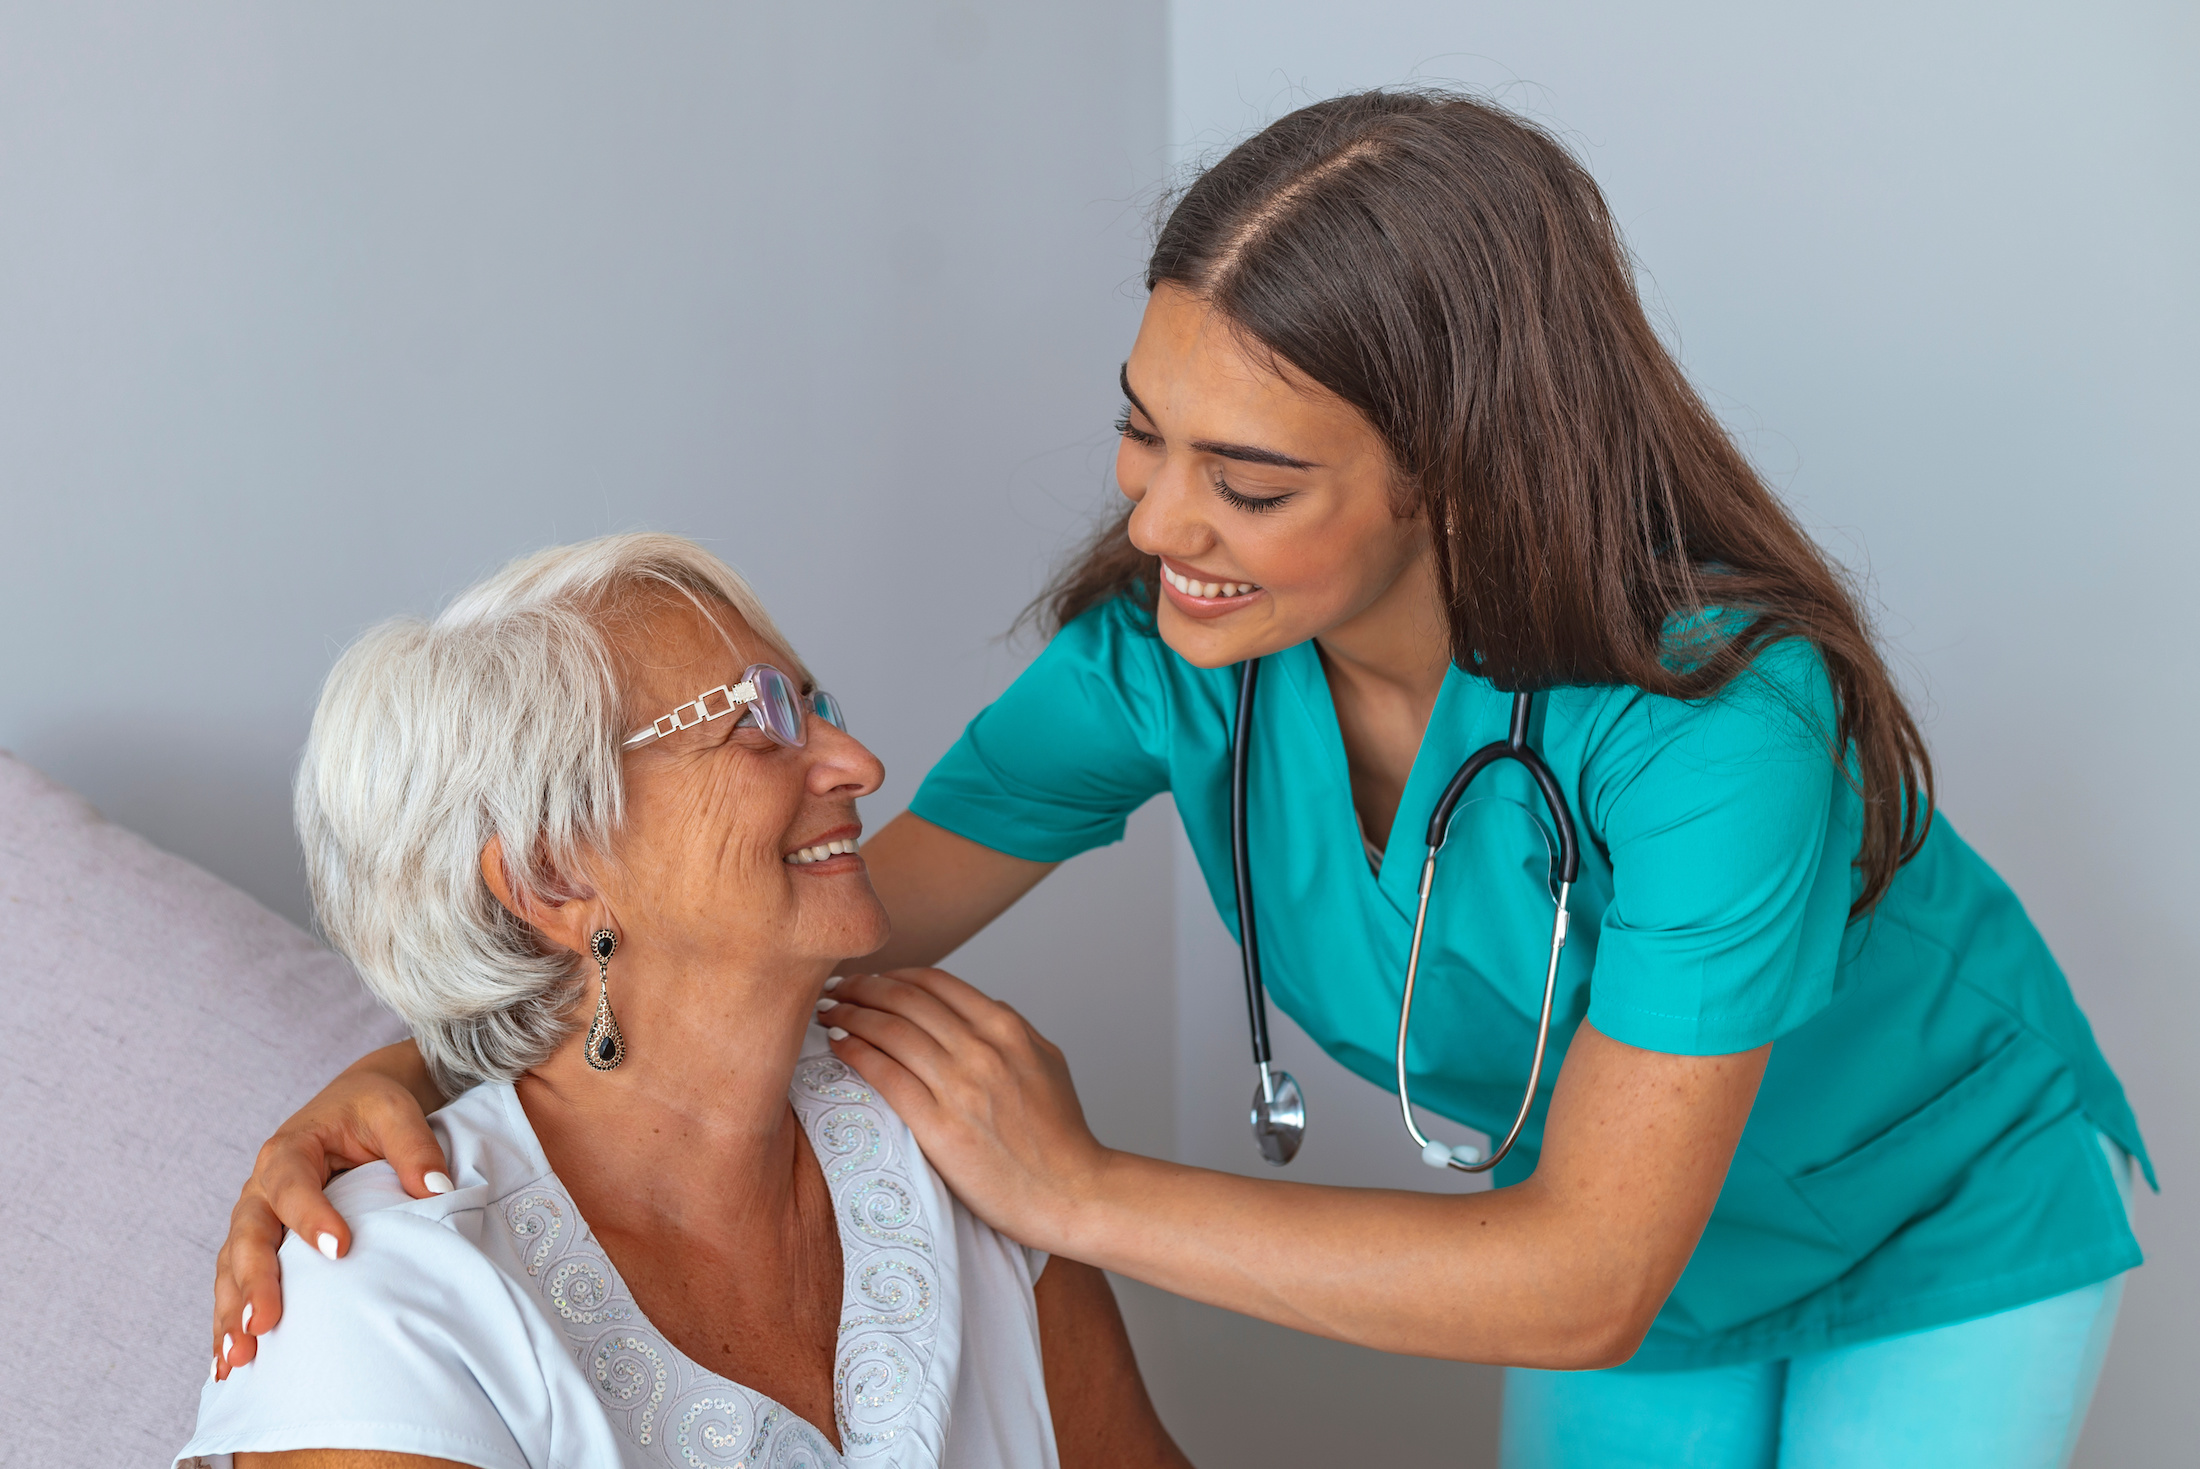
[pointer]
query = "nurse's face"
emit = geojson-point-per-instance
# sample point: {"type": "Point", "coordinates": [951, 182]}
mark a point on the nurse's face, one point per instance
{"type": "Point", "coordinates": [1270, 501]}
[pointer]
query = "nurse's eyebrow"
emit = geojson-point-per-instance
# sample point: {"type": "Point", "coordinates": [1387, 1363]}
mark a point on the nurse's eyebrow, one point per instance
{"type": "Point", "coordinates": [1243, 453]}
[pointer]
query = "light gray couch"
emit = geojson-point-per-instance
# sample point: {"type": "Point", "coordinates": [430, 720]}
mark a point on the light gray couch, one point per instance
{"type": "Point", "coordinates": [157, 1024]}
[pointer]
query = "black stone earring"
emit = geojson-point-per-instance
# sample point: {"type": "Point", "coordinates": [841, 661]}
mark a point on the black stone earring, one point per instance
{"type": "Point", "coordinates": [606, 1042]}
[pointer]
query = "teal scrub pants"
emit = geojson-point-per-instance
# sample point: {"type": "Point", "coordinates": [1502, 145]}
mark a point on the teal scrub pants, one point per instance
{"type": "Point", "coordinates": [2002, 1392]}
{"type": "Point", "coordinates": [2007, 1391]}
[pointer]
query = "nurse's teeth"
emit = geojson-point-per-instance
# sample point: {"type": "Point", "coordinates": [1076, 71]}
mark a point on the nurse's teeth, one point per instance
{"type": "Point", "coordinates": [1192, 588]}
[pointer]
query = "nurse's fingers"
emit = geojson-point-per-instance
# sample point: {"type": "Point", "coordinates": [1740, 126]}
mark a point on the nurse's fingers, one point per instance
{"type": "Point", "coordinates": [288, 1182]}
{"type": "Point", "coordinates": [228, 1306]}
{"type": "Point", "coordinates": [909, 1045]}
{"type": "Point", "coordinates": [996, 1020]}
{"type": "Point", "coordinates": [248, 1294]}
{"type": "Point", "coordinates": [1000, 1122]}
{"type": "Point", "coordinates": [897, 995]}
{"type": "Point", "coordinates": [910, 1098]}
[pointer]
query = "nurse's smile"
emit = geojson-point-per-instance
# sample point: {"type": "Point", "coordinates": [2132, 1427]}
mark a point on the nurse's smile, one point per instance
{"type": "Point", "coordinates": [1203, 595]}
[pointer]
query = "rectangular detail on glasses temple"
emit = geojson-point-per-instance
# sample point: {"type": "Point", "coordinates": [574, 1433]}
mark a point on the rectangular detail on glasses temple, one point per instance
{"type": "Point", "coordinates": [671, 724]}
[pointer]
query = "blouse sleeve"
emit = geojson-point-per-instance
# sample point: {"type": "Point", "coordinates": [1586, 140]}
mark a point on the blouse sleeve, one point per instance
{"type": "Point", "coordinates": [1056, 765]}
{"type": "Point", "coordinates": [411, 1344]}
{"type": "Point", "coordinates": [1732, 834]}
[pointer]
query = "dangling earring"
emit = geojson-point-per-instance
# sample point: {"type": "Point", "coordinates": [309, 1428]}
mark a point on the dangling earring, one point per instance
{"type": "Point", "coordinates": [606, 1042]}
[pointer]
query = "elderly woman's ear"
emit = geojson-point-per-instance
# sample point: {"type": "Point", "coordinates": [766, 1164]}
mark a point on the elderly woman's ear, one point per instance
{"type": "Point", "coordinates": [565, 922]}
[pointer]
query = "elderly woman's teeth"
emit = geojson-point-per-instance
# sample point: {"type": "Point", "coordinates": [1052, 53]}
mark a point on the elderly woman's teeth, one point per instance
{"type": "Point", "coordinates": [1192, 588]}
{"type": "Point", "coordinates": [805, 856]}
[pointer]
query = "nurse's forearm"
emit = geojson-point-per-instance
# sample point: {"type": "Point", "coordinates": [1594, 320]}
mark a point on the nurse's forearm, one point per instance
{"type": "Point", "coordinates": [402, 1064]}
{"type": "Point", "coordinates": [1565, 1270]}
{"type": "Point", "coordinates": [939, 890]}
{"type": "Point", "coordinates": [1495, 1277]}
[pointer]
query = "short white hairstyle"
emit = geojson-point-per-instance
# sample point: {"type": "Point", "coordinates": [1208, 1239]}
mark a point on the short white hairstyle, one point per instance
{"type": "Point", "coordinates": [501, 718]}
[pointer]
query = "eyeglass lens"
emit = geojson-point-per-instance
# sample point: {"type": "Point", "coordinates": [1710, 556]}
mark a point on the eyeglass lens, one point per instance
{"type": "Point", "coordinates": [777, 708]}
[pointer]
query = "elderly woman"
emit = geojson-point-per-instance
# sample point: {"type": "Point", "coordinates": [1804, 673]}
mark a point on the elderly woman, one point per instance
{"type": "Point", "coordinates": [675, 1230]}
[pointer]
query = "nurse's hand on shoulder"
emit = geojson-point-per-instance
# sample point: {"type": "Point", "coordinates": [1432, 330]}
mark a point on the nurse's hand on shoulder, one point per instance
{"type": "Point", "coordinates": [989, 1098]}
{"type": "Point", "coordinates": [1565, 1269]}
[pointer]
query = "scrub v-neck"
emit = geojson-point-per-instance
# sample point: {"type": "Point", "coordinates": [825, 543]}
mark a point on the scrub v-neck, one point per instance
{"type": "Point", "coordinates": [1399, 869]}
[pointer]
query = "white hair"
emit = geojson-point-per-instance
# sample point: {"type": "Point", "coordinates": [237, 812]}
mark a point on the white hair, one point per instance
{"type": "Point", "coordinates": [501, 718]}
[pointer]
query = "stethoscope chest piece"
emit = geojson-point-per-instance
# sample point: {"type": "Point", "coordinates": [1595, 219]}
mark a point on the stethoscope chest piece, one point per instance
{"type": "Point", "coordinates": [1279, 1116]}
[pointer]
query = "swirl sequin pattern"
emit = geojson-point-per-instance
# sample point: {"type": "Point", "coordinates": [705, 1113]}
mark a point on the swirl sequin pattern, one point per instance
{"type": "Point", "coordinates": [888, 1400]}
{"type": "Point", "coordinates": [669, 1409]}
{"type": "Point", "coordinates": [890, 1322]}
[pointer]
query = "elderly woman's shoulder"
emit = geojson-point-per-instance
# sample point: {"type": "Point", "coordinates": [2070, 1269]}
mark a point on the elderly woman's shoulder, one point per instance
{"type": "Point", "coordinates": [420, 1332]}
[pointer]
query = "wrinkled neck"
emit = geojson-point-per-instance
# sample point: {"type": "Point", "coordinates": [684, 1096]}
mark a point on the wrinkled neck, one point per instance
{"type": "Point", "coordinates": [700, 1100]}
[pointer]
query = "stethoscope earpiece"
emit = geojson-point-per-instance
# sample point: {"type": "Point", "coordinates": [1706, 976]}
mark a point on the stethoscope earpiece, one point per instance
{"type": "Point", "coordinates": [1442, 1155]}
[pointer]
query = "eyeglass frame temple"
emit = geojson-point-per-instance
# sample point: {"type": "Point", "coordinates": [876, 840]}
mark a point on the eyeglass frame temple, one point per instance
{"type": "Point", "coordinates": [737, 696]}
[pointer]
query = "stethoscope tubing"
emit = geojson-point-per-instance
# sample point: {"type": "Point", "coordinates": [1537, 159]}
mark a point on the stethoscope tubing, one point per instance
{"type": "Point", "coordinates": [1241, 867]}
{"type": "Point", "coordinates": [1542, 1030]}
{"type": "Point", "coordinates": [1513, 747]}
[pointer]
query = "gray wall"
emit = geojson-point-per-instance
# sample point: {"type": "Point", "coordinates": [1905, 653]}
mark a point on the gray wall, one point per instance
{"type": "Point", "coordinates": [312, 315]}
{"type": "Point", "coordinates": [1936, 264]}
{"type": "Point", "coordinates": [308, 317]}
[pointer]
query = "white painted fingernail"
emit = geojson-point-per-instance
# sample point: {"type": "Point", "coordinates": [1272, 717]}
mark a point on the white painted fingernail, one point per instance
{"type": "Point", "coordinates": [824, 1005]}
{"type": "Point", "coordinates": [439, 1183]}
{"type": "Point", "coordinates": [836, 1033]}
{"type": "Point", "coordinates": [213, 1368]}
{"type": "Point", "coordinates": [326, 1244]}
{"type": "Point", "coordinates": [246, 1324]}
{"type": "Point", "coordinates": [834, 982]}
{"type": "Point", "coordinates": [227, 1342]}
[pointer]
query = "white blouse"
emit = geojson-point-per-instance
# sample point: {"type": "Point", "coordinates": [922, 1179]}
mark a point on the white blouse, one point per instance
{"type": "Point", "coordinates": [487, 1326]}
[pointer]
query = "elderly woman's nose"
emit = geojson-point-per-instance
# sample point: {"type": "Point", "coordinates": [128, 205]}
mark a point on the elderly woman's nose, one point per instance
{"type": "Point", "coordinates": [841, 763]}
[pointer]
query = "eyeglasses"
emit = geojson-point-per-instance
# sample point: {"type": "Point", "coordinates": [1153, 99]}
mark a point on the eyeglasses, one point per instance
{"type": "Point", "coordinates": [773, 704]}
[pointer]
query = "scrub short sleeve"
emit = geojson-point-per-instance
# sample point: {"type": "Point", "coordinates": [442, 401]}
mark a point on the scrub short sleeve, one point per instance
{"type": "Point", "coordinates": [1057, 763]}
{"type": "Point", "coordinates": [1732, 836]}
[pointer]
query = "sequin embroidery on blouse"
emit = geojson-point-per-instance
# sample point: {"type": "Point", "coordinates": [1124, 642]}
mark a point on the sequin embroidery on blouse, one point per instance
{"type": "Point", "coordinates": [890, 1323]}
{"type": "Point", "coordinates": [674, 1412]}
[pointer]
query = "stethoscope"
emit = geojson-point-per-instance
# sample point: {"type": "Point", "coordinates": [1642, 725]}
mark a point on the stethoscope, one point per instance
{"type": "Point", "coordinates": [1279, 1108]}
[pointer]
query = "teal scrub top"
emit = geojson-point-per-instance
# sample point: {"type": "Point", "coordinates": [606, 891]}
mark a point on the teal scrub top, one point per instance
{"type": "Point", "coordinates": [1923, 1148]}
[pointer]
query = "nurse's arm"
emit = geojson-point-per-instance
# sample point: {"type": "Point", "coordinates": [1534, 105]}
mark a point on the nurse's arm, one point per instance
{"type": "Point", "coordinates": [1566, 1269]}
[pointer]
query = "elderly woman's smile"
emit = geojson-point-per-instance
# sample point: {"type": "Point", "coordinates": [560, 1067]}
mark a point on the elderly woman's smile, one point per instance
{"type": "Point", "coordinates": [840, 843]}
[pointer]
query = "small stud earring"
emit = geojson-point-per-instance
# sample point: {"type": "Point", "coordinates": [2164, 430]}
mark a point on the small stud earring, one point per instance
{"type": "Point", "coordinates": [606, 1042]}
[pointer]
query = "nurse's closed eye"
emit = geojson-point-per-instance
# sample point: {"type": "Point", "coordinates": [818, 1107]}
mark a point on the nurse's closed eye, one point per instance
{"type": "Point", "coordinates": [1253, 504]}
{"type": "Point", "coordinates": [1135, 434]}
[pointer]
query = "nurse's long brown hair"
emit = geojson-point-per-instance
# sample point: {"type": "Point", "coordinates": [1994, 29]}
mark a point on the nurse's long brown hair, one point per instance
{"type": "Point", "coordinates": [1454, 274]}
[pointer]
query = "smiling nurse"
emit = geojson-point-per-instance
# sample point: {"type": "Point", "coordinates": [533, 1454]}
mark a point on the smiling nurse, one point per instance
{"type": "Point", "coordinates": [1824, 1169]}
